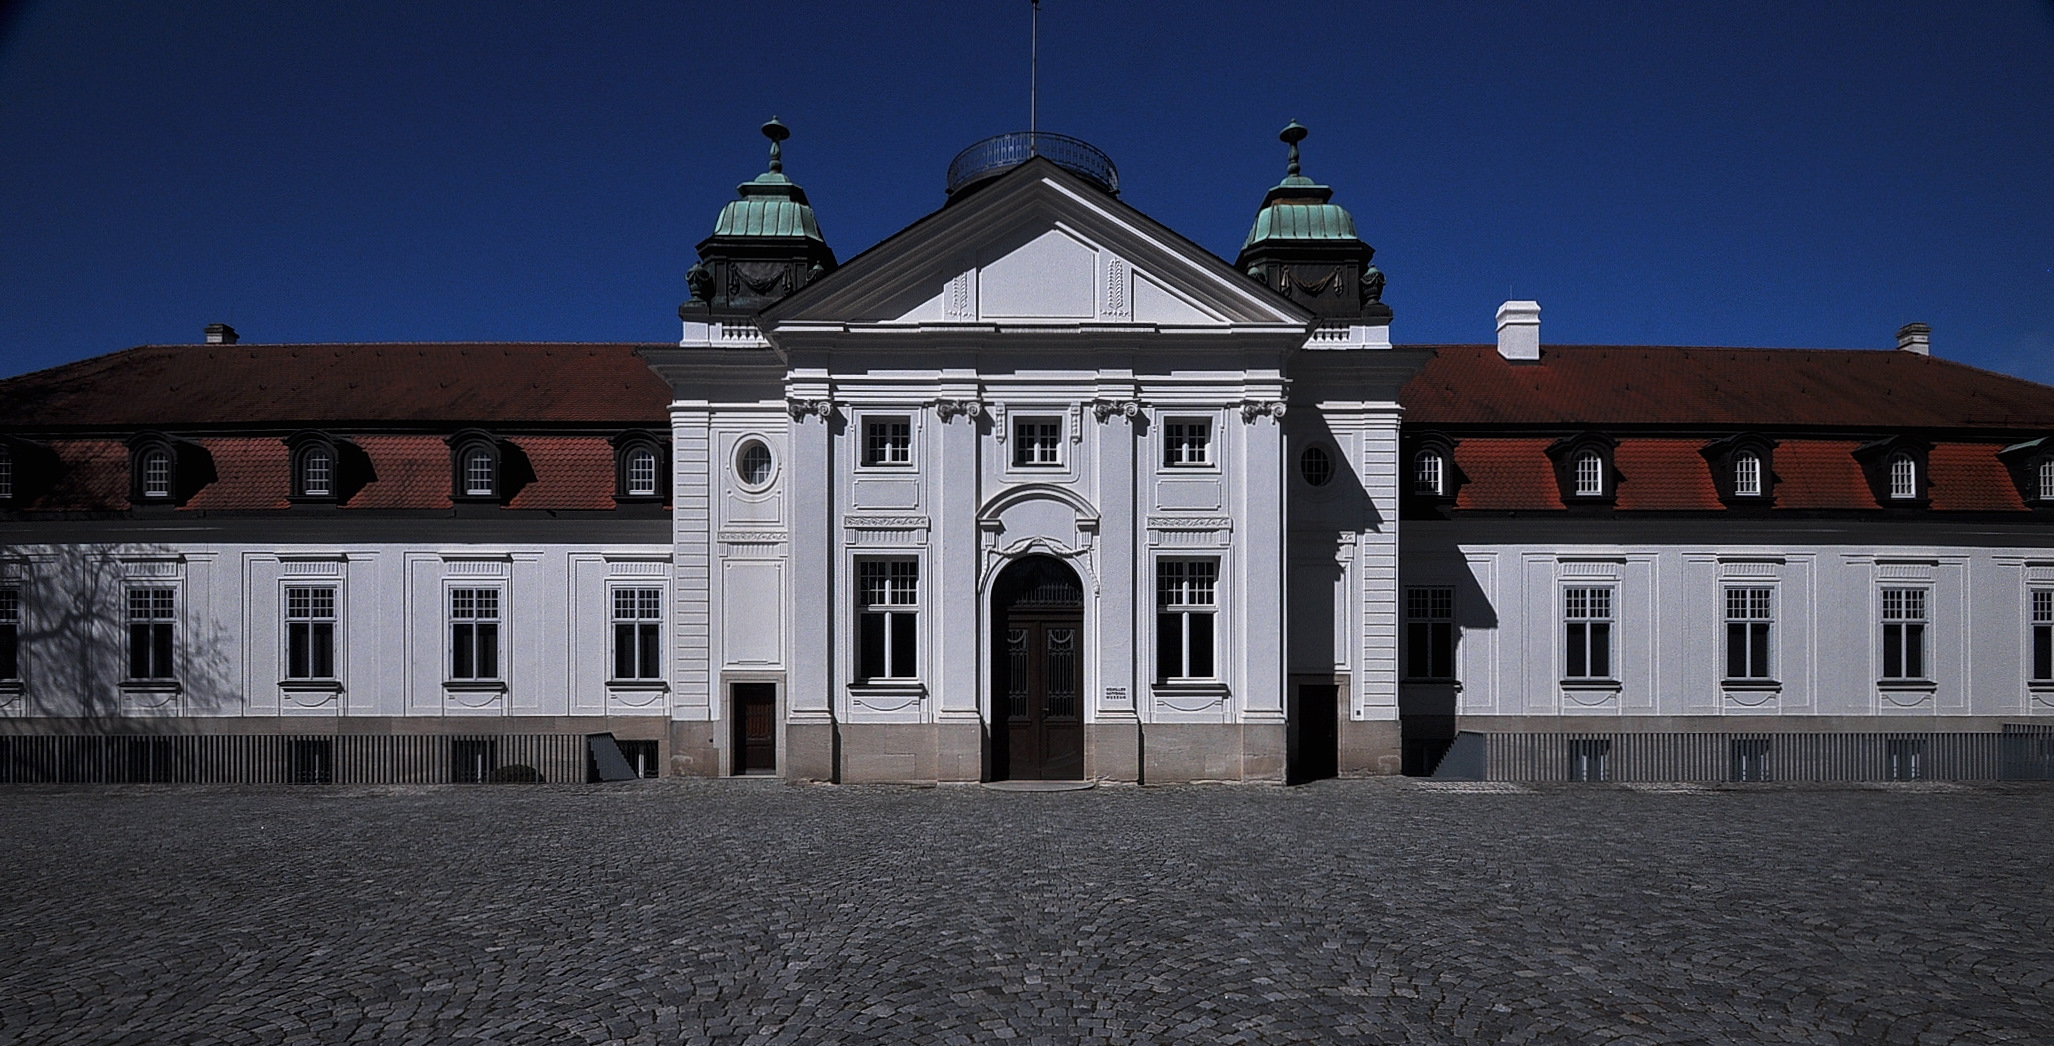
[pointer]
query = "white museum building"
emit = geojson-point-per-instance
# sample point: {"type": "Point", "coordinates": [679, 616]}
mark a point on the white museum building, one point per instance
{"type": "Point", "coordinates": [1036, 488]}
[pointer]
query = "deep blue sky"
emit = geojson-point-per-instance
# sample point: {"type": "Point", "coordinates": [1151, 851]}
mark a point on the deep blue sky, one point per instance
{"type": "Point", "coordinates": [1675, 173]}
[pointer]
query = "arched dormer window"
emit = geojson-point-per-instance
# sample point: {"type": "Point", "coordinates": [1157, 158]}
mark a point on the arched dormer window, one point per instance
{"type": "Point", "coordinates": [641, 467]}
{"type": "Point", "coordinates": [1429, 472]}
{"type": "Point", "coordinates": [6, 473]}
{"type": "Point", "coordinates": [1897, 471]}
{"type": "Point", "coordinates": [2032, 468]}
{"type": "Point", "coordinates": [325, 469]}
{"type": "Point", "coordinates": [2043, 481]}
{"type": "Point", "coordinates": [476, 474]}
{"type": "Point", "coordinates": [166, 471]}
{"type": "Point", "coordinates": [1583, 468]}
{"type": "Point", "coordinates": [1742, 469]}
{"type": "Point", "coordinates": [1431, 478]}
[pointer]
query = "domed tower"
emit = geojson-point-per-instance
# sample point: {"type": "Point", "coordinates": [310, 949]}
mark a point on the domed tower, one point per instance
{"type": "Point", "coordinates": [1304, 246]}
{"type": "Point", "coordinates": [764, 246]}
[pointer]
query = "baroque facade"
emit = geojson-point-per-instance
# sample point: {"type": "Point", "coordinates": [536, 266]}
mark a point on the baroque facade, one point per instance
{"type": "Point", "coordinates": [1035, 488]}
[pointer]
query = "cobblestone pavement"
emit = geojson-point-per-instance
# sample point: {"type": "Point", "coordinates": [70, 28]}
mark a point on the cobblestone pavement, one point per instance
{"type": "Point", "coordinates": [1346, 911]}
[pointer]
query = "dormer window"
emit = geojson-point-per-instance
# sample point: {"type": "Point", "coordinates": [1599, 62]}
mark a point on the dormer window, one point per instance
{"type": "Point", "coordinates": [2031, 465]}
{"type": "Point", "coordinates": [1429, 473]}
{"type": "Point", "coordinates": [325, 469]}
{"type": "Point", "coordinates": [1584, 469]}
{"type": "Point", "coordinates": [639, 467]}
{"type": "Point", "coordinates": [2046, 479]}
{"type": "Point", "coordinates": [478, 472]}
{"type": "Point", "coordinates": [477, 467]}
{"type": "Point", "coordinates": [156, 469]}
{"type": "Point", "coordinates": [1896, 469]}
{"type": "Point", "coordinates": [6, 473]}
{"type": "Point", "coordinates": [1590, 474]}
{"type": "Point", "coordinates": [1747, 475]}
{"type": "Point", "coordinates": [1903, 477]}
{"type": "Point", "coordinates": [317, 472]}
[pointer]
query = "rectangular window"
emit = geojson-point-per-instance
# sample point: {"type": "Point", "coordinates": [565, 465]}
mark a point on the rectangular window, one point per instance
{"type": "Point", "coordinates": [637, 633]}
{"type": "Point", "coordinates": [10, 634]}
{"type": "Point", "coordinates": [151, 614]}
{"type": "Point", "coordinates": [1748, 621]}
{"type": "Point", "coordinates": [1430, 633]}
{"type": "Point", "coordinates": [888, 639]}
{"type": "Point", "coordinates": [2043, 635]}
{"type": "Point", "coordinates": [7, 473]}
{"type": "Point", "coordinates": [888, 442]}
{"type": "Point", "coordinates": [1185, 609]}
{"type": "Point", "coordinates": [1587, 614]}
{"type": "Point", "coordinates": [1187, 443]}
{"type": "Point", "coordinates": [310, 633]}
{"type": "Point", "coordinates": [156, 474]}
{"type": "Point", "coordinates": [1904, 633]}
{"type": "Point", "coordinates": [474, 633]}
{"type": "Point", "coordinates": [1037, 442]}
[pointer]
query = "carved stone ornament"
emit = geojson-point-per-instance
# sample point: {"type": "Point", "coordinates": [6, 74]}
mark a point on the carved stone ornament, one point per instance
{"type": "Point", "coordinates": [946, 409]}
{"type": "Point", "coordinates": [1104, 409]}
{"type": "Point", "coordinates": [799, 408]}
{"type": "Point", "coordinates": [1253, 409]}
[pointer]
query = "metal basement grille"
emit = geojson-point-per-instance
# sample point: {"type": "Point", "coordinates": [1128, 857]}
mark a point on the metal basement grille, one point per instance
{"type": "Point", "coordinates": [2019, 753]}
{"type": "Point", "coordinates": [291, 758]}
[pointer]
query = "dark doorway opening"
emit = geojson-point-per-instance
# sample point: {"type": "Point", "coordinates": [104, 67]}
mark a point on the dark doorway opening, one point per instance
{"type": "Point", "coordinates": [1315, 733]}
{"type": "Point", "coordinates": [755, 740]}
{"type": "Point", "coordinates": [1037, 672]}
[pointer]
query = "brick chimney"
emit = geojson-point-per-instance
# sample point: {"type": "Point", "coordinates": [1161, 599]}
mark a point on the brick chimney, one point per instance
{"type": "Point", "coordinates": [220, 334]}
{"type": "Point", "coordinates": [1519, 330]}
{"type": "Point", "coordinates": [1915, 337]}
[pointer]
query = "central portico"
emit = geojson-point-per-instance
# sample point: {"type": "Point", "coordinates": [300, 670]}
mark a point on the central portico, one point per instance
{"type": "Point", "coordinates": [1012, 493]}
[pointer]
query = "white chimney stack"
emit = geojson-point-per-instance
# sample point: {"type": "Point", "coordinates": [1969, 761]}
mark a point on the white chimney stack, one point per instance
{"type": "Point", "coordinates": [1519, 330]}
{"type": "Point", "coordinates": [1915, 337]}
{"type": "Point", "coordinates": [220, 334]}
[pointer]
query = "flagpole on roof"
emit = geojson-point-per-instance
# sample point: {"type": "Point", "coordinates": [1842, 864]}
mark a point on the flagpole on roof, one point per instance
{"type": "Point", "coordinates": [1034, 79]}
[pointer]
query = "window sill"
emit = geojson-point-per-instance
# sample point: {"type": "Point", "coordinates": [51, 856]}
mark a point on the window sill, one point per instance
{"type": "Point", "coordinates": [1906, 684]}
{"type": "Point", "coordinates": [2038, 686]}
{"type": "Point", "coordinates": [10, 686]}
{"type": "Point", "coordinates": [152, 686]}
{"type": "Point", "coordinates": [1750, 684]}
{"type": "Point", "coordinates": [310, 684]}
{"type": "Point", "coordinates": [1592, 684]}
{"type": "Point", "coordinates": [888, 686]}
{"type": "Point", "coordinates": [637, 684]}
{"type": "Point", "coordinates": [1208, 687]}
{"type": "Point", "coordinates": [479, 685]}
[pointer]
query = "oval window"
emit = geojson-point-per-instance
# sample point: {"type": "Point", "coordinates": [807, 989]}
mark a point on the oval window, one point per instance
{"type": "Point", "coordinates": [753, 464]}
{"type": "Point", "coordinates": [1316, 466]}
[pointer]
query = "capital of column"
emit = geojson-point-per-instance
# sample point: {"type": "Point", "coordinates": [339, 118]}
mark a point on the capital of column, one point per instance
{"type": "Point", "coordinates": [1106, 410]}
{"type": "Point", "coordinates": [799, 408]}
{"type": "Point", "coordinates": [1253, 409]}
{"type": "Point", "coordinates": [946, 409]}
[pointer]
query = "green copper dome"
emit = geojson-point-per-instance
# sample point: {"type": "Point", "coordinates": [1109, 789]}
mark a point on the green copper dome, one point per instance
{"type": "Point", "coordinates": [1298, 209]}
{"type": "Point", "coordinates": [772, 205]}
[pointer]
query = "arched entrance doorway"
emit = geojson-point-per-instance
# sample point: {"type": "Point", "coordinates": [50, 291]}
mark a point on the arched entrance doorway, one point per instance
{"type": "Point", "coordinates": [1037, 672]}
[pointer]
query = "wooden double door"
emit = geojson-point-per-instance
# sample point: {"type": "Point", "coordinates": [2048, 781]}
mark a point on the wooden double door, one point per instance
{"type": "Point", "coordinates": [1038, 674]}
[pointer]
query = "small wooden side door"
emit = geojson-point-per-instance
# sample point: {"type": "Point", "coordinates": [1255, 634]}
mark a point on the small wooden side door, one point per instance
{"type": "Point", "coordinates": [755, 742]}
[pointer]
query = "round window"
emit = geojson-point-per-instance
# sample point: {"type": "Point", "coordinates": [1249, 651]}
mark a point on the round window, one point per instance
{"type": "Point", "coordinates": [753, 464]}
{"type": "Point", "coordinates": [1316, 466]}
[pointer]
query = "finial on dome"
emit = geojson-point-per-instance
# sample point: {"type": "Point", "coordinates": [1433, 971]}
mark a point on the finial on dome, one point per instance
{"type": "Point", "coordinates": [1292, 134]}
{"type": "Point", "coordinates": [777, 133]}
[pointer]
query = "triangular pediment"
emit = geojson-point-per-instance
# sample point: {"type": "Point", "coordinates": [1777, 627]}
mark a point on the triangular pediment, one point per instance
{"type": "Point", "coordinates": [1038, 246]}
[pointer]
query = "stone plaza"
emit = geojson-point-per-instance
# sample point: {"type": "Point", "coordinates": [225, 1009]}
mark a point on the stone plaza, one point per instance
{"type": "Point", "coordinates": [1371, 911]}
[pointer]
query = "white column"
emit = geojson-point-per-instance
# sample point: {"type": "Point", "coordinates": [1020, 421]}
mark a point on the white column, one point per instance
{"type": "Point", "coordinates": [811, 613]}
{"type": "Point", "coordinates": [1260, 540]}
{"type": "Point", "coordinates": [953, 562]}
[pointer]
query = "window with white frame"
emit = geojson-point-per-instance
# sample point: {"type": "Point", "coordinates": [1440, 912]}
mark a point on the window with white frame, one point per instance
{"type": "Point", "coordinates": [1750, 620]}
{"type": "Point", "coordinates": [310, 632]}
{"type": "Point", "coordinates": [1429, 473]}
{"type": "Point", "coordinates": [317, 472]}
{"type": "Point", "coordinates": [156, 469]}
{"type": "Point", "coordinates": [474, 633]}
{"type": "Point", "coordinates": [1186, 610]}
{"type": "Point", "coordinates": [753, 464]}
{"type": "Point", "coordinates": [1037, 442]}
{"type": "Point", "coordinates": [1430, 633]}
{"type": "Point", "coordinates": [637, 633]}
{"type": "Point", "coordinates": [641, 470]}
{"type": "Point", "coordinates": [1903, 476]}
{"type": "Point", "coordinates": [2043, 635]}
{"type": "Point", "coordinates": [1747, 474]}
{"type": "Point", "coordinates": [1590, 474]}
{"type": "Point", "coordinates": [1187, 443]}
{"type": "Point", "coordinates": [1904, 633]}
{"type": "Point", "coordinates": [10, 634]}
{"type": "Point", "coordinates": [6, 472]}
{"type": "Point", "coordinates": [888, 442]}
{"type": "Point", "coordinates": [152, 612]}
{"type": "Point", "coordinates": [1587, 633]}
{"type": "Point", "coordinates": [2045, 476]}
{"type": "Point", "coordinates": [888, 625]}
{"type": "Point", "coordinates": [479, 475]}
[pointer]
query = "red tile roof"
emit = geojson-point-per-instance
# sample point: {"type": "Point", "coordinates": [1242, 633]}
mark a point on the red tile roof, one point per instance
{"type": "Point", "coordinates": [172, 386]}
{"type": "Point", "coordinates": [1597, 385]}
